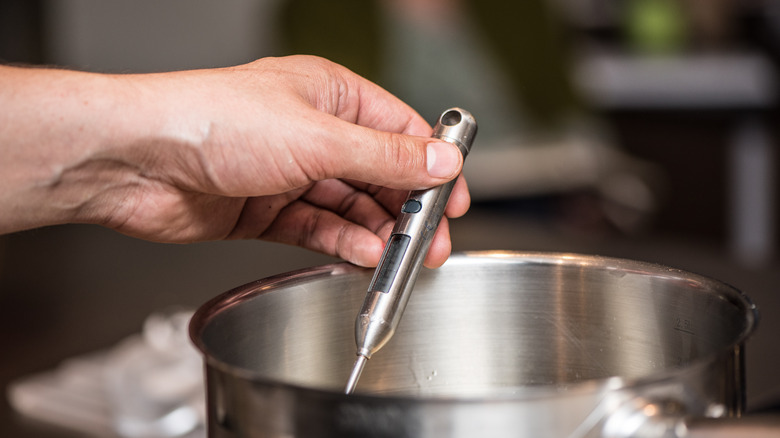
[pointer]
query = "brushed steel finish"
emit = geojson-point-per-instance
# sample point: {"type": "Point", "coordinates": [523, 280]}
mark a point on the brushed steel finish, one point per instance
{"type": "Point", "coordinates": [500, 344]}
{"type": "Point", "coordinates": [354, 376]}
{"type": "Point", "coordinates": [395, 276]}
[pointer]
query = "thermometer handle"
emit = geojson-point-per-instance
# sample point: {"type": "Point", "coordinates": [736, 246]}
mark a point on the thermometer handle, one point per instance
{"type": "Point", "coordinates": [408, 245]}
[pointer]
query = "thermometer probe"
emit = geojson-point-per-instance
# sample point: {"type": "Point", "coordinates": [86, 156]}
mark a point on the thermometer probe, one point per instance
{"type": "Point", "coordinates": [394, 278]}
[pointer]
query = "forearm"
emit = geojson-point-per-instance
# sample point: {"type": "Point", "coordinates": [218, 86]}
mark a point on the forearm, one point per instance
{"type": "Point", "coordinates": [67, 144]}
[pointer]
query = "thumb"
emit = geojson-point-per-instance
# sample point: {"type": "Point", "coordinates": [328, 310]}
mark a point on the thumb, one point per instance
{"type": "Point", "coordinates": [395, 160]}
{"type": "Point", "coordinates": [443, 160]}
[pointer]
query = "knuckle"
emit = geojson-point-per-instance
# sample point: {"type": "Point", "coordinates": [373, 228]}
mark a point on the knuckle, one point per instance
{"type": "Point", "coordinates": [402, 154]}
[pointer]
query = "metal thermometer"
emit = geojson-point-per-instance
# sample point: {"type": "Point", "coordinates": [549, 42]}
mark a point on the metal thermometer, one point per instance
{"type": "Point", "coordinates": [405, 251]}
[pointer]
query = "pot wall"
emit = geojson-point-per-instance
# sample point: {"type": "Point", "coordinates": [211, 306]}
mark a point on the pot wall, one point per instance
{"type": "Point", "coordinates": [509, 344]}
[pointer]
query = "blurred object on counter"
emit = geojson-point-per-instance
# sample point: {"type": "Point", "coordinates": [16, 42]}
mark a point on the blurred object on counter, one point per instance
{"type": "Point", "coordinates": [742, 83]}
{"type": "Point", "coordinates": [675, 26]}
{"type": "Point", "coordinates": [713, 23]}
{"type": "Point", "coordinates": [753, 193]}
{"type": "Point", "coordinates": [149, 385]}
{"type": "Point", "coordinates": [655, 26]}
{"type": "Point", "coordinates": [624, 191]}
{"type": "Point", "coordinates": [741, 80]}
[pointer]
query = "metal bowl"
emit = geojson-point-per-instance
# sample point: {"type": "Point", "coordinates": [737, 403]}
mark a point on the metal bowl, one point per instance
{"type": "Point", "coordinates": [491, 344]}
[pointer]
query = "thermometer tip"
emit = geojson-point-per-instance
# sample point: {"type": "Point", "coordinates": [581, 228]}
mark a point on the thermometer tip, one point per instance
{"type": "Point", "coordinates": [357, 370]}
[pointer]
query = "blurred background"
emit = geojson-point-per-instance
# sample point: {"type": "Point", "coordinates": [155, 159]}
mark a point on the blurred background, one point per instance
{"type": "Point", "coordinates": [645, 129]}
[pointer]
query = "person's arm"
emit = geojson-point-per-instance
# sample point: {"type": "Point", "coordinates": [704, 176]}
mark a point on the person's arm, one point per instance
{"type": "Point", "coordinates": [296, 150]}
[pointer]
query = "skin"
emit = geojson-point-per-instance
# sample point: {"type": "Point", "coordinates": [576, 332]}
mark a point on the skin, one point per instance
{"type": "Point", "coordinates": [296, 150]}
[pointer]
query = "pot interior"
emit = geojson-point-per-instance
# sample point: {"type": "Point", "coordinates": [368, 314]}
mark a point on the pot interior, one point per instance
{"type": "Point", "coordinates": [483, 324]}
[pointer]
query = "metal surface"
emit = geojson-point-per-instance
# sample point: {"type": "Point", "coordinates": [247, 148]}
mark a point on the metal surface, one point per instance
{"type": "Point", "coordinates": [394, 278]}
{"type": "Point", "coordinates": [493, 344]}
{"type": "Point", "coordinates": [357, 371]}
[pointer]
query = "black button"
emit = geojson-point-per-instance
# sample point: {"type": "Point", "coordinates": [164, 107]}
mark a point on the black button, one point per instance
{"type": "Point", "coordinates": [411, 206]}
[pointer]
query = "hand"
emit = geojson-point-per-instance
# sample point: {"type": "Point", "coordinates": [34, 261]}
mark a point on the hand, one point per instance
{"type": "Point", "coordinates": [296, 150]}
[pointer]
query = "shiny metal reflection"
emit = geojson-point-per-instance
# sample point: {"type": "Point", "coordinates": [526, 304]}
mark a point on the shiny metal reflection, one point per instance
{"type": "Point", "coordinates": [354, 376]}
{"type": "Point", "coordinates": [396, 274]}
{"type": "Point", "coordinates": [492, 344]}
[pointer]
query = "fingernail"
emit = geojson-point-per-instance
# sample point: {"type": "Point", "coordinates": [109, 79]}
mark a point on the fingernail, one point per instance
{"type": "Point", "coordinates": [443, 159]}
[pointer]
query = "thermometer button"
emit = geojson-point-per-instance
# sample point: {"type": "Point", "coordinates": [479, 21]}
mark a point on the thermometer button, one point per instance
{"type": "Point", "coordinates": [411, 206]}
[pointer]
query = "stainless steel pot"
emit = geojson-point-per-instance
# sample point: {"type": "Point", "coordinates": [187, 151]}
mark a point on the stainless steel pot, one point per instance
{"type": "Point", "coordinates": [499, 344]}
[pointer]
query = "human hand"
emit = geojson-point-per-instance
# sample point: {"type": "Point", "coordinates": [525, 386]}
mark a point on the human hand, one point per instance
{"type": "Point", "coordinates": [295, 150]}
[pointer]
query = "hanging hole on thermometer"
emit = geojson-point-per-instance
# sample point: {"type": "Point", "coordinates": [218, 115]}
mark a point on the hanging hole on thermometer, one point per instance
{"type": "Point", "coordinates": [450, 118]}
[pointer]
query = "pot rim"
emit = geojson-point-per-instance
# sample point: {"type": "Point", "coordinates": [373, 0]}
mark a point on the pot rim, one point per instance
{"type": "Point", "coordinates": [235, 296]}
